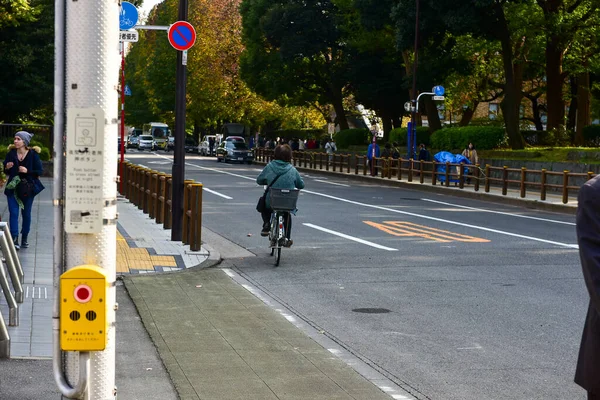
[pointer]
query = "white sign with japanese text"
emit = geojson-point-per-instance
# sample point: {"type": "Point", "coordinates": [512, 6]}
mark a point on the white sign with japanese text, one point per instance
{"type": "Point", "coordinates": [128, 36]}
{"type": "Point", "coordinates": [84, 168]}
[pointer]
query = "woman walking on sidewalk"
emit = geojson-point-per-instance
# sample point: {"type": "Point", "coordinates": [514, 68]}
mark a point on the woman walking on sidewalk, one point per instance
{"type": "Point", "coordinates": [23, 168]}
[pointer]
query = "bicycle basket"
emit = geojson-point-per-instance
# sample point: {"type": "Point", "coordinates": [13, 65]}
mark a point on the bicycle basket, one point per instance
{"type": "Point", "coordinates": [283, 199]}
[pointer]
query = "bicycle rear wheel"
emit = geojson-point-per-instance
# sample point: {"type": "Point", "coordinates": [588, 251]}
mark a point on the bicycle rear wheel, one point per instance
{"type": "Point", "coordinates": [277, 255]}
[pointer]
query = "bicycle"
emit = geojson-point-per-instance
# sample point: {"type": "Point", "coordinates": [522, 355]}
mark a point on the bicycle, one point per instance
{"type": "Point", "coordinates": [282, 201]}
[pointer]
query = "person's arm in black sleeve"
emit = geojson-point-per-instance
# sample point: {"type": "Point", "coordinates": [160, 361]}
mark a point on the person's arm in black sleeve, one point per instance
{"type": "Point", "coordinates": [588, 237]}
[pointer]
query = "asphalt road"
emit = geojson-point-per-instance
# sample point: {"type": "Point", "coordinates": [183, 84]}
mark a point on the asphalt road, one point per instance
{"type": "Point", "coordinates": [452, 299]}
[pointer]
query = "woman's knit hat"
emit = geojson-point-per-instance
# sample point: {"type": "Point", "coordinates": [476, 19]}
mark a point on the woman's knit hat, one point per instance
{"type": "Point", "coordinates": [25, 137]}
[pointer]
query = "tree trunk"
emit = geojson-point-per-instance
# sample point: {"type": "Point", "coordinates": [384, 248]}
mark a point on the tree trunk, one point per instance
{"type": "Point", "coordinates": [433, 118]}
{"type": "Point", "coordinates": [554, 84]}
{"type": "Point", "coordinates": [572, 115]}
{"type": "Point", "coordinates": [339, 109]}
{"type": "Point", "coordinates": [397, 121]}
{"type": "Point", "coordinates": [583, 106]}
{"type": "Point", "coordinates": [387, 125]}
{"type": "Point", "coordinates": [509, 103]}
{"type": "Point", "coordinates": [467, 115]}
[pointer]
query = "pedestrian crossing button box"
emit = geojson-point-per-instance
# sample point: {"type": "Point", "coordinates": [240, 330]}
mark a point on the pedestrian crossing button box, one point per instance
{"type": "Point", "coordinates": [83, 291]}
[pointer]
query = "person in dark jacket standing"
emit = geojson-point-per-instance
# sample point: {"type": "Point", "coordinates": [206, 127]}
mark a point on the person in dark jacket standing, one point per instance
{"type": "Point", "coordinates": [587, 374]}
{"type": "Point", "coordinates": [21, 161]}
{"type": "Point", "coordinates": [287, 177]}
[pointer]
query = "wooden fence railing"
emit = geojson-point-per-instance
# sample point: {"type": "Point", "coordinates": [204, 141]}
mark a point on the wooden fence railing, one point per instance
{"type": "Point", "coordinates": [442, 173]}
{"type": "Point", "coordinates": [151, 192]}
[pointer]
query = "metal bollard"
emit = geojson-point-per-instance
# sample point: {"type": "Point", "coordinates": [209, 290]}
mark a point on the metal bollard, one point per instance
{"type": "Point", "coordinates": [5, 243]}
{"type": "Point", "coordinates": [565, 188]}
{"type": "Point", "coordinates": [504, 180]}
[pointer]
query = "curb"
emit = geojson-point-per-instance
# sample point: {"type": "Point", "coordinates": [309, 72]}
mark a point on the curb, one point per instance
{"type": "Point", "coordinates": [438, 189]}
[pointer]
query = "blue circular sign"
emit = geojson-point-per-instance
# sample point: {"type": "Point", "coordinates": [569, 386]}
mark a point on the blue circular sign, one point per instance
{"type": "Point", "coordinates": [182, 35]}
{"type": "Point", "coordinates": [128, 17]}
{"type": "Point", "coordinates": [439, 90]}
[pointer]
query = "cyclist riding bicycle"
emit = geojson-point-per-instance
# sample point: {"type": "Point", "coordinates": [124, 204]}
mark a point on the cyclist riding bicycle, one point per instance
{"type": "Point", "coordinates": [279, 174]}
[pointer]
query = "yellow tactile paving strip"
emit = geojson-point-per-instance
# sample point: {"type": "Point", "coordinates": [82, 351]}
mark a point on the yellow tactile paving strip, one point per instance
{"type": "Point", "coordinates": [136, 259]}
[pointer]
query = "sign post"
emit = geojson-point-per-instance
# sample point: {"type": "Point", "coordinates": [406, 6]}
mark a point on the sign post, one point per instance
{"type": "Point", "coordinates": [182, 36]}
{"type": "Point", "coordinates": [128, 18]}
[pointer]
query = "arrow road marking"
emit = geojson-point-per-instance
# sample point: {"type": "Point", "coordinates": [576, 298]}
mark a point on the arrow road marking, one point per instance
{"type": "Point", "coordinates": [378, 246]}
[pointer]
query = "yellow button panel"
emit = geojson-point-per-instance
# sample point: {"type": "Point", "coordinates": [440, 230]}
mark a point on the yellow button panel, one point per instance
{"type": "Point", "coordinates": [83, 307]}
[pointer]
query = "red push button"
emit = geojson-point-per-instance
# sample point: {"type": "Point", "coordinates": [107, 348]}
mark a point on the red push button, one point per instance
{"type": "Point", "coordinates": [83, 293]}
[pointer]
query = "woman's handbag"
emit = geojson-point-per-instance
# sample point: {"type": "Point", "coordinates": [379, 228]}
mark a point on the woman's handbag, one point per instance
{"type": "Point", "coordinates": [261, 206]}
{"type": "Point", "coordinates": [25, 189]}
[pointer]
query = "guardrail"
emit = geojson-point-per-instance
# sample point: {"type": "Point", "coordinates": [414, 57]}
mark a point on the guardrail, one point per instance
{"type": "Point", "coordinates": [430, 171]}
{"type": "Point", "coordinates": [15, 271]}
{"type": "Point", "coordinates": [151, 192]}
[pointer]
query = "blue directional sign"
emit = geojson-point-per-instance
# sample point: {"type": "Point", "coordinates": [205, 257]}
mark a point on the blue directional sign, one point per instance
{"type": "Point", "coordinates": [128, 17]}
{"type": "Point", "coordinates": [127, 90]}
{"type": "Point", "coordinates": [439, 90]}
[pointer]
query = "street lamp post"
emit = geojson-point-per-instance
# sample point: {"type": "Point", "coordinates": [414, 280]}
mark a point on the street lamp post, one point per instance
{"type": "Point", "coordinates": [412, 137]}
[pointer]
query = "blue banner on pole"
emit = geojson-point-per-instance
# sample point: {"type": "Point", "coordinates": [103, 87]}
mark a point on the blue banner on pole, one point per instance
{"type": "Point", "coordinates": [127, 91]}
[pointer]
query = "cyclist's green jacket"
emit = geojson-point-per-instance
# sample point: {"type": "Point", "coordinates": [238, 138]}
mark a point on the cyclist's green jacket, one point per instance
{"type": "Point", "coordinates": [289, 179]}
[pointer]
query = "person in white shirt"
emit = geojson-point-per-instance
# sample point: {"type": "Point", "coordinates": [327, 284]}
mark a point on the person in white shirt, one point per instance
{"type": "Point", "coordinates": [330, 148]}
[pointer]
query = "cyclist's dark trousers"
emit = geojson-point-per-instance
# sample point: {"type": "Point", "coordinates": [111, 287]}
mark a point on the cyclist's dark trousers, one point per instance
{"type": "Point", "coordinates": [287, 221]}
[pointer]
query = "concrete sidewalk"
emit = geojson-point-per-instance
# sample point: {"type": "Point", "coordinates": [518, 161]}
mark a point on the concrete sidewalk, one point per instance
{"type": "Point", "coordinates": [185, 330]}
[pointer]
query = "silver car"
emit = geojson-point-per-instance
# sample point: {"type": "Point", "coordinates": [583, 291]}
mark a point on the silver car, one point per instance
{"type": "Point", "coordinates": [145, 142]}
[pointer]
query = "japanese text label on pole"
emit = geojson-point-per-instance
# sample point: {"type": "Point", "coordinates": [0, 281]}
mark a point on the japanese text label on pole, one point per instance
{"type": "Point", "coordinates": [128, 17]}
{"type": "Point", "coordinates": [182, 35]}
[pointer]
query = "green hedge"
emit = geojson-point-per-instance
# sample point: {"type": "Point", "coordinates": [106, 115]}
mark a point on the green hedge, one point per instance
{"type": "Point", "coordinates": [399, 135]}
{"type": "Point", "coordinates": [352, 137]}
{"type": "Point", "coordinates": [591, 135]}
{"type": "Point", "coordinates": [483, 137]}
{"type": "Point", "coordinates": [295, 133]}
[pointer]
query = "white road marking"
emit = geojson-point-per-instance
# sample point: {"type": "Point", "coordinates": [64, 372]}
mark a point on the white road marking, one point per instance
{"type": "Point", "coordinates": [217, 193]}
{"type": "Point", "coordinates": [378, 246]}
{"type": "Point", "coordinates": [571, 246]}
{"type": "Point", "coordinates": [499, 212]}
{"type": "Point", "coordinates": [332, 183]}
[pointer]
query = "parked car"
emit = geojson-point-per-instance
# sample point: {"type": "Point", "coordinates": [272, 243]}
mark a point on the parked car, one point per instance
{"type": "Point", "coordinates": [190, 145]}
{"type": "Point", "coordinates": [204, 148]}
{"type": "Point", "coordinates": [146, 142]}
{"type": "Point", "coordinates": [234, 150]}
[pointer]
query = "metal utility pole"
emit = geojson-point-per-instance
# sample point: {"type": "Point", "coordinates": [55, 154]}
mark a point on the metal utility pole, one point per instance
{"type": "Point", "coordinates": [122, 147]}
{"type": "Point", "coordinates": [413, 128]}
{"type": "Point", "coordinates": [178, 171]}
{"type": "Point", "coordinates": [85, 190]}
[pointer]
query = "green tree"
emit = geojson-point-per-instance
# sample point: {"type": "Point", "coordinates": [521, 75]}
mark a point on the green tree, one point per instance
{"type": "Point", "coordinates": [15, 12]}
{"type": "Point", "coordinates": [294, 51]}
{"type": "Point", "coordinates": [27, 73]}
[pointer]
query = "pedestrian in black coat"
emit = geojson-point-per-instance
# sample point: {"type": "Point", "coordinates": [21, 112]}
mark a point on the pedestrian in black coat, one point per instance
{"type": "Point", "coordinates": [587, 374]}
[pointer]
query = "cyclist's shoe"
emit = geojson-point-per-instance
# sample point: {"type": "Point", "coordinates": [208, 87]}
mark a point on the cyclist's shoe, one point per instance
{"type": "Point", "coordinates": [264, 232]}
{"type": "Point", "coordinates": [288, 243]}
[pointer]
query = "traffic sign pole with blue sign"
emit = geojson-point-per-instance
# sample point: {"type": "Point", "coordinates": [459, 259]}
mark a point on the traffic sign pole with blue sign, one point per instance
{"type": "Point", "coordinates": [128, 17]}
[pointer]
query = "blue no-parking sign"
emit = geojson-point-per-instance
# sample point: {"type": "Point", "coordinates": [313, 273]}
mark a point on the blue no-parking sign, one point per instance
{"type": "Point", "coordinates": [128, 17]}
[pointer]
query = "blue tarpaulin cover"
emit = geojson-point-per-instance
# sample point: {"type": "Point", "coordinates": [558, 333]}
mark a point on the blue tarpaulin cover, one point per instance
{"type": "Point", "coordinates": [446, 156]}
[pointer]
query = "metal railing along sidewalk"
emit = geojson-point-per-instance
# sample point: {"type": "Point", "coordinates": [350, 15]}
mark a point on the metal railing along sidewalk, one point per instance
{"type": "Point", "coordinates": [535, 182]}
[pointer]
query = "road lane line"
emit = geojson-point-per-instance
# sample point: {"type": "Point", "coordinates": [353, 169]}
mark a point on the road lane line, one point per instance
{"type": "Point", "coordinates": [378, 246]}
{"type": "Point", "coordinates": [217, 193]}
{"type": "Point", "coordinates": [482, 228]}
{"type": "Point", "coordinates": [332, 183]}
{"type": "Point", "coordinates": [499, 212]}
{"type": "Point", "coordinates": [570, 246]}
